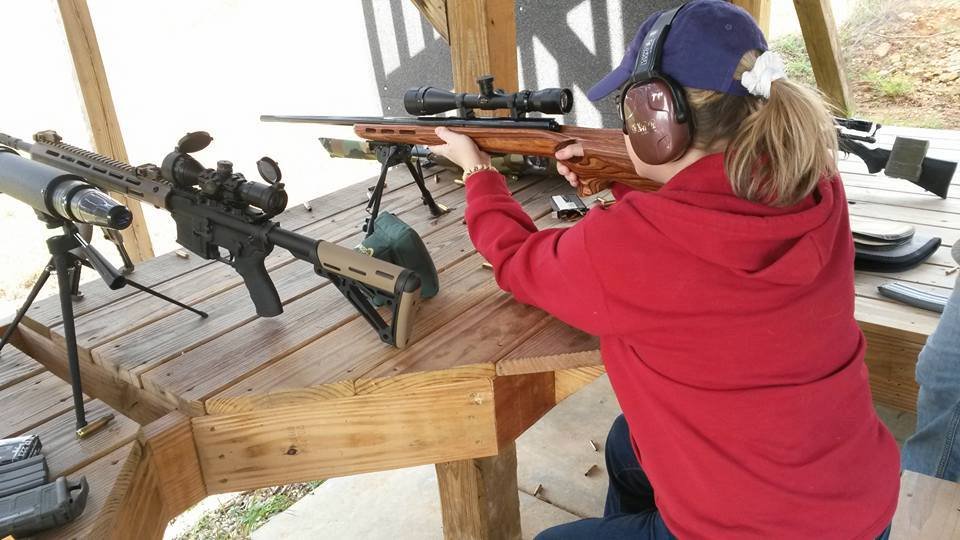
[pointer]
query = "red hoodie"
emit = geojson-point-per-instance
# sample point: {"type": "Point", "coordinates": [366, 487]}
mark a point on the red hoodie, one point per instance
{"type": "Point", "coordinates": [728, 333]}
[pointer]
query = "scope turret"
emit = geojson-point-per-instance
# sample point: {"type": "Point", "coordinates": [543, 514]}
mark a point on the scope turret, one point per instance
{"type": "Point", "coordinates": [428, 100]}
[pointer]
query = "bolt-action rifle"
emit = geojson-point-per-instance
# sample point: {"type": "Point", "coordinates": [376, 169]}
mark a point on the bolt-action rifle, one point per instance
{"type": "Point", "coordinates": [605, 158]}
{"type": "Point", "coordinates": [223, 216]}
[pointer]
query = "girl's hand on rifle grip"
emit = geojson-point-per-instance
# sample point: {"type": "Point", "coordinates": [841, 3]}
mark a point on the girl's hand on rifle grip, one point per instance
{"type": "Point", "coordinates": [568, 152]}
{"type": "Point", "coordinates": [459, 149]}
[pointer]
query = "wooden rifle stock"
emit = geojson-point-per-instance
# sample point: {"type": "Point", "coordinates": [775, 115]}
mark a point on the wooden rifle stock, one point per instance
{"type": "Point", "coordinates": [604, 161]}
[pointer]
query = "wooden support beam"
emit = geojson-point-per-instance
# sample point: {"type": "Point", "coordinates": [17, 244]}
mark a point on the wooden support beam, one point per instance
{"type": "Point", "coordinates": [101, 114]}
{"type": "Point", "coordinates": [823, 47]}
{"type": "Point", "coordinates": [345, 436]}
{"type": "Point", "coordinates": [483, 41]}
{"type": "Point", "coordinates": [760, 9]}
{"type": "Point", "coordinates": [479, 498]}
{"type": "Point", "coordinates": [435, 11]}
{"type": "Point", "coordinates": [169, 446]}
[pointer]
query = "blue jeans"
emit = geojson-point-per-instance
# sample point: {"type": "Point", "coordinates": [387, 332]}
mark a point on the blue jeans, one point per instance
{"type": "Point", "coordinates": [933, 450]}
{"type": "Point", "coordinates": [630, 510]}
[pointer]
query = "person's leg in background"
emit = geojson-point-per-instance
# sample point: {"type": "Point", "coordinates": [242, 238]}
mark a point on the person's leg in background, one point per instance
{"type": "Point", "coordinates": [630, 511]}
{"type": "Point", "coordinates": [934, 450]}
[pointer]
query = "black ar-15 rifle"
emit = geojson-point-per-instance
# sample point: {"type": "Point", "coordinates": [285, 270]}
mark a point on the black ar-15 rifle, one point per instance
{"type": "Point", "coordinates": [217, 210]}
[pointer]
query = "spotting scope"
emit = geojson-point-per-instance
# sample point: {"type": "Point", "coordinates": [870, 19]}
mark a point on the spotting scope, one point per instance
{"type": "Point", "coordinates": [61, 195]}
{"type": "Point", "coordinates": [428, 100]}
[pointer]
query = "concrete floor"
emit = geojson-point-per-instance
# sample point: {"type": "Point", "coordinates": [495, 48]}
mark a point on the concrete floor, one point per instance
{"type": "Point", "coordinates": [555, 454]}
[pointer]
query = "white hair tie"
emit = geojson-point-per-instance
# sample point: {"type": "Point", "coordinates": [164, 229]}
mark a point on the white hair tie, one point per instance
{"type": "Point", "coordinates": [768, 68]}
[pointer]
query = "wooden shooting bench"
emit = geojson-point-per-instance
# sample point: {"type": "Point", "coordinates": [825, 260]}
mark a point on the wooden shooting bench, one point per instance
{"type": "Point", "coordinates": [236, 402]}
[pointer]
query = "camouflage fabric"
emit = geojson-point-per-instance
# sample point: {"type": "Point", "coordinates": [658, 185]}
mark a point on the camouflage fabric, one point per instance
{"type": "Point", "coordinates": [346, 148]}
{"type": "Point", "coordinates": [508, 165]}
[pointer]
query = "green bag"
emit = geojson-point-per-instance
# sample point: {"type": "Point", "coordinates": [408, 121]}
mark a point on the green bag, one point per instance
{"type": "Point", "coordinates": [396, 242]}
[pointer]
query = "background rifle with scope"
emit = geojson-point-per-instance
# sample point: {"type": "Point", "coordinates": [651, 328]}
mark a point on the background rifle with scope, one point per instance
{"type": "Point", "coordinates": [605, 157]}
{"type": "Point", "coordinates": [221, 215]}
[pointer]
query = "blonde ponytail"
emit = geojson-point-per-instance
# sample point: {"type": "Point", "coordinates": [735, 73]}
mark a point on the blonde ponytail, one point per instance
{"type": "Point", "coordinates": [777, 149]}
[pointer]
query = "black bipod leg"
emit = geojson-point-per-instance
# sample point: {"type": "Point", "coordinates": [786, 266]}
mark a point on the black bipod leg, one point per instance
{"type": "Point", "coordinates": [436, 209]}
{"type": "Point", "coordinates": [41, 281]}
{"type": "Point", "coordinates": [373, 206]}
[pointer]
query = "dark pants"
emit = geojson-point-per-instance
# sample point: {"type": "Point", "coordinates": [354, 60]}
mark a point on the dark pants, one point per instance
{"type": "Point", "coordinates": [630, 511]}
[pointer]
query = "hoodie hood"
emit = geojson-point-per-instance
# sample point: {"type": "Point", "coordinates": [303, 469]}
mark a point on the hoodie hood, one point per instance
{"type": "Point", "coordinates": [698, 211]}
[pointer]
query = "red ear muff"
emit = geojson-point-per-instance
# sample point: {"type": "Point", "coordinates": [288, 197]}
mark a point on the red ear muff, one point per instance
{"type": "Point", "coordinates": [652, 123]}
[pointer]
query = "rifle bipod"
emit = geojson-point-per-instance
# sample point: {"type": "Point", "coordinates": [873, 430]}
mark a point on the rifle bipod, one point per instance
{"type": "Point", "coordinates": [390, 154]}
{"type": "Point", "coordinates": [69, 252]}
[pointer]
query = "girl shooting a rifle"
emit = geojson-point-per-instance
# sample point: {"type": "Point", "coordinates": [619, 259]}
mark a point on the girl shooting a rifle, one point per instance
{"type": "Point", "coordinates": [724, 301]}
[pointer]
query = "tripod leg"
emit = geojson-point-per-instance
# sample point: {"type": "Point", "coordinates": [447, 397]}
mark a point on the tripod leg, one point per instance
{"type": "Point", "coordinates": [162, 296]}
{"type": "Point", "coordinates": [62, 261]}
{"type": "Point", "coordinates": [436, 209]}
{"type": "Point", "coordinates": [41, 281]}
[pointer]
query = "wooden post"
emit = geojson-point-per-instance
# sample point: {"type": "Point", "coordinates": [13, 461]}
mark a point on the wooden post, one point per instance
{"type": "Point", "coordinates": [823, 47]}
{"type": "Point", "coordinates": [483, 41]}
{"type": "Point", "coordinates": [479, 498]}
{"type": "Point", "coordinates": [101, 114]}
{"type": "Point", "coordinates": [435, 11]}
{"type": "Point", "coordinates": [760, 9]}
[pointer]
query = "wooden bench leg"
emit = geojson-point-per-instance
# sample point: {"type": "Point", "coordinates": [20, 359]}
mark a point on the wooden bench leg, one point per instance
{"type": "Point", "coordinates": [479, 498]}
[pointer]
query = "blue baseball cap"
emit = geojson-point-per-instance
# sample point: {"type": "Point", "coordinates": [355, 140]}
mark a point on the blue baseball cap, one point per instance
{"type": "Point", "coordinates": [703, 48]}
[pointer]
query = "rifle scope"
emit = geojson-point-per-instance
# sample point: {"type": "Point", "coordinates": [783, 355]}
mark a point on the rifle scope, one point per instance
{"type": "Point", "coordinates": [180, 168]}
{"type": "Point", "coordinates": [63, 196]}
{"type": "Point", "coordinates": [428, 100]}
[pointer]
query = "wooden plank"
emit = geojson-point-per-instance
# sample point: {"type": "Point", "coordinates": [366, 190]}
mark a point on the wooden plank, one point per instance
{"type": "Point", "coordinates": [823, 47]}
{"type": "Point", "coordinates": [519, 401]}
{"type": "Point", "coordinates": [132, 402]}
{"type": "Point", "coordinates": [141, 513]}
{"type": "Point", "coordinates": [896, 200]}
{"type": "Point", "coordinates": [109, 478]}
{"type": "Point", "coordinates": [346, 436]}
{"type": "Point", "coordinates": [855, 173]}
{"type": "Point", "coordinates": [32, 402]}
{"type": "Point", "coordinates": [483, 41]}
{"type": "Point", "coordinates": [15, 366]}
{"type": "Point", "coordinates": [435, 11]}
{"type": "Point", "coordinates": [892, 365]}
{"type": "Point", "coordinates": [568, 381]}
{"type": "Point", "coordinates": [101, 114]}
{"type": "Point", "coordinates": [476, 338]}
{"type": "Point", "coordinates": [189, 379]}
{"type": "Point", "coordinates": [170, 449]}
{"type": "Point", "coordinates": [556, 346]}
{"type": "Point", "coordinates": [479, 497]}
{"type": "Point", "coordinates": [66, 454]}
{"type": "Point", "coordinates": [760, 9]}
{"type": "Point", "coordinates": [133, 354]}
{"type": "Point", "coordinates": [897, 320]}
{"type": "Point", "coordinates": [927, 508]}
{"type": "Point", "coordinates": [915, 216]}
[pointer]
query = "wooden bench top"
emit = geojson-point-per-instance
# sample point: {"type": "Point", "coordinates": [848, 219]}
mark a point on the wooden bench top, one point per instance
{"type": "Point", "coordinates": [319, 348]}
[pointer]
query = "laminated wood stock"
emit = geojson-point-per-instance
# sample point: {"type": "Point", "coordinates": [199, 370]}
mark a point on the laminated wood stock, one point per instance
{"type": "Point", "coordinates": [605, 157]}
